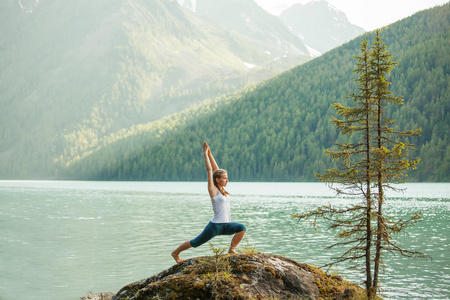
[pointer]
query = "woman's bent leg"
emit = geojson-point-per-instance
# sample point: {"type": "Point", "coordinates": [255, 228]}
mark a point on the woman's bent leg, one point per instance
{"type": "Point", "coordinates": [237, 238]}
{"type": "Point", "coordinates": [238, 230]}
{"type": "Point", "coordinates": [176, 253]}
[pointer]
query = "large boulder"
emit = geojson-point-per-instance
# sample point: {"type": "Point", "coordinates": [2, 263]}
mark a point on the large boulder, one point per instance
{"type": "Point", "coordinates": [240, 276]}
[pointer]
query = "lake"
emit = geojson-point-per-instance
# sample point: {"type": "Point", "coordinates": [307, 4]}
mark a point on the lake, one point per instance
{"type": "Point", "coordinates": [61, 239]}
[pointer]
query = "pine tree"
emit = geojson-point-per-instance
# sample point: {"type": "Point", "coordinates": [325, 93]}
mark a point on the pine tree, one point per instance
{"type": "Point", "coordinates": [375, 156]}
{"type": "Point", "coordinates": [390, 155]}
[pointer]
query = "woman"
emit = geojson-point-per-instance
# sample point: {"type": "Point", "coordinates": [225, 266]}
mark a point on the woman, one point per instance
{"type": "Point", "coordinates": [221, 222]}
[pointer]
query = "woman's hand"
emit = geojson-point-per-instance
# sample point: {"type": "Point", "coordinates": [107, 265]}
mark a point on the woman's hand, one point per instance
{"type": "Point", "coordinates": [206, 148]}
{"type": "Point", "coordinates": [207, 152]}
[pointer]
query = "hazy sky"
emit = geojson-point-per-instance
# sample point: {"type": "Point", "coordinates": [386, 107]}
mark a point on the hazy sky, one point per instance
{"type": "Point", "coordinates": [369, 14]}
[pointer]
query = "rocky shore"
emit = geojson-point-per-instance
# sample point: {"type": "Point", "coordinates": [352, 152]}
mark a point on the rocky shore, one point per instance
{"type": "Point", "coordinates": [238, 276]}
{"type": "Point", "coordinates": [98, 296]}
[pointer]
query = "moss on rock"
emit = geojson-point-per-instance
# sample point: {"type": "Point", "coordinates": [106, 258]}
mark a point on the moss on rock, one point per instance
{"type": "Point", "coordinates": [240, 276]}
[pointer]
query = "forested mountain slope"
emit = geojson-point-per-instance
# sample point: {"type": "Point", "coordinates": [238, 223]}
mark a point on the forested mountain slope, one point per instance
{"type": "Point", "coordinates": [73, 73]}
{"type": "Point", "coordinates": [278, 129]}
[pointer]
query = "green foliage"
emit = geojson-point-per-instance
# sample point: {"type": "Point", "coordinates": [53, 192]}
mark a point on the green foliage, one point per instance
{"type": "Point", "coordinates": [277, 130]}
{"type": "Point", "coordinates": [249, 248]}
{"type": "Point", "coordinates": [221, 269]}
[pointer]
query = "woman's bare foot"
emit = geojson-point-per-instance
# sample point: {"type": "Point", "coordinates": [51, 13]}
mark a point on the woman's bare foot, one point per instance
{"type": "Point", "coordinates": [177, 257]}
{"type": "Point", "coordinates": [231, 251]}
{"type": "Point", "coordinates": [176, 253]}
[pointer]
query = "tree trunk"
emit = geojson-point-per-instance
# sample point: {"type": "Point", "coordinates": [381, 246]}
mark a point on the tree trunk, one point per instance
{"type": "Point", "coordinates": [380, 222]}
{"type": "Point", "coordinates": [368, 198]}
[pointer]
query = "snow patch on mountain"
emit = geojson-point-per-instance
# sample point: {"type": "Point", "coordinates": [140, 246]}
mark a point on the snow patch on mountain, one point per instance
{"type": "Point", "coordinates": [313, 52]}
{"type": "Point", "coordinates": [190, 4]}
{"type": "Point", "coordinates": [249, 65]}
{"type": "Point", "coordinates": [331, 7]}
{"type": "Point", "coordinates": [28, 5]}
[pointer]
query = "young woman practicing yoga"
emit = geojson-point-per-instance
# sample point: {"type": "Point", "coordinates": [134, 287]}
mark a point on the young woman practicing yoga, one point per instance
{"type": "Point", "coordinates": [221, 222]}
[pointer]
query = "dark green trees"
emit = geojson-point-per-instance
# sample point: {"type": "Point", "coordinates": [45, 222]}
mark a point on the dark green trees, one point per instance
{"type": "Point", "coordinates": [374, 157]}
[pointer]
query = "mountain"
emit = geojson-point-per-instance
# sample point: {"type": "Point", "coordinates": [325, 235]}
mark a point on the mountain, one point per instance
{"type": "Point", "coordinates": [253, 24]}
{"type": "Point", "coordinates": [76, 74]}
{"type": "Point", "coordinates": [278, 129]}
{"type": "Point", "coordinates": [320, 25]}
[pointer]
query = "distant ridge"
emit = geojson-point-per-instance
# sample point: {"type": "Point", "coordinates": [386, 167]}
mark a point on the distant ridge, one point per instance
{"type": "Point", "coordinates": [320, 25]}
{"type": "Point", "coordinates": [250, 21]}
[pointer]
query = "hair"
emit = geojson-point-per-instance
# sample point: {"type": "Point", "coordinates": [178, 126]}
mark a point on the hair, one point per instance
{"type": "Point", "coordinates": [218, 174]}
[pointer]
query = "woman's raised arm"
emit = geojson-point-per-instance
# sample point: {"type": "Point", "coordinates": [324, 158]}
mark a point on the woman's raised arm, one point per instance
{"type": "Point", "coordinates": [212, 160]}
{"type": "Point", "coordinates": [209, 170]}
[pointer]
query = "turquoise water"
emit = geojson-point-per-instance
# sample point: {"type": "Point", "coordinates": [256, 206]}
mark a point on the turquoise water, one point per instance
{"type": "Point", "coordinates": [59, 240]}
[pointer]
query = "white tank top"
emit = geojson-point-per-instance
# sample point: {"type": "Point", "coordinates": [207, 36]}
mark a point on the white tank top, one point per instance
{"type": "Point", "coordinates": [221, 208]}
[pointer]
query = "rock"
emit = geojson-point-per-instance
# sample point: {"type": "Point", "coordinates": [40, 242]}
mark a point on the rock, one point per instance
{"type": "Point", "coordinates": [240, 276]}
{"type": "Point", "coordinates": [97, 296]}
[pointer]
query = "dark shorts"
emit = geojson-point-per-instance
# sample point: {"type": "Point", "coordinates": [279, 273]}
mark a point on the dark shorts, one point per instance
{"type": "Point", "coordinates": [213, 229]}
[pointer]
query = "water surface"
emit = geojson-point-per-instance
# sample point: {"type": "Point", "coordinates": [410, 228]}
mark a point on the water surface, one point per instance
{"type": "Point", "coordinates": [59, 240]}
